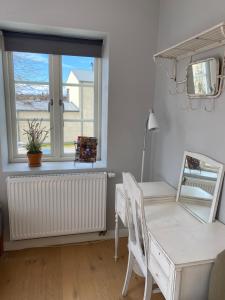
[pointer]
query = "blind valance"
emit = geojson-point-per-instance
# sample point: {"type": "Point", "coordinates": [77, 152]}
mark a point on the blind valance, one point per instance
{"type": "Point", "coordinates": [51, 44]}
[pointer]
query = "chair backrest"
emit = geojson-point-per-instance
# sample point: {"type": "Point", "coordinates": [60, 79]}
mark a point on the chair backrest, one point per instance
{"type": "Point", "coordinates": [135, 215]}
{"type": "Point", "coordinates": [217, 279]}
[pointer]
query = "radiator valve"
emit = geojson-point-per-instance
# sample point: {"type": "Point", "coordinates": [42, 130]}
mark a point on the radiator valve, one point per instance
{"type": "Point", "coordinates": [111, 175]}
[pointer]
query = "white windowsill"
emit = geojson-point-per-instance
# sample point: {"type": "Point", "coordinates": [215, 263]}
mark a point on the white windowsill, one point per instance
{"type": "Point", "coordinates": [48, 167]}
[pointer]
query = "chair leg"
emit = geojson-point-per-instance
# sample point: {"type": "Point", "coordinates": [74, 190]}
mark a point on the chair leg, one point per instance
{"type": "Point", "coordinates": [148, 286]}
{"type": "Point", "coordinates": [130, 266]}
{"type": "Point", "coordinates": [116, 236]}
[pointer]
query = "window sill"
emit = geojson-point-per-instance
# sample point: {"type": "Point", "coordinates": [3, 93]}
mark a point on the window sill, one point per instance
{"type": "Point", "coordinates": [47, 167]}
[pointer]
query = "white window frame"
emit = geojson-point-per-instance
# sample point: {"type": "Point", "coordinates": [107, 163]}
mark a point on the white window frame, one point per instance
{"type": "Point", "coordinates": [56, 112]}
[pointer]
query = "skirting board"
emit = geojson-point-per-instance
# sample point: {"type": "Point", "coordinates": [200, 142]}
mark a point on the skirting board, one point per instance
{"type": "Point", "coordinates": [61, 240]}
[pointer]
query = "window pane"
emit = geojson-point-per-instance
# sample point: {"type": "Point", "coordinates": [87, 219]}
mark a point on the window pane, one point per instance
{"type": "Point", "coordinates": [71, 131]}
{"type": "Point", "coordinates": [31, 95]}
{"type": "Point", "coordinates": [88, 129]}
{"type": "Point", "coordinates": [31, 67]}
{"type": "Point", "coordinates": [78, 98]}
{"type": "Point", "coordinates": [77, 68]}
{"type": "Point", "coordinates": [88, 102]}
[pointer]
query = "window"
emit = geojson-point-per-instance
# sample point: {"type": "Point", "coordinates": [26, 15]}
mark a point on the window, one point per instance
{"type": "Point", "coordinates": [61, 90]}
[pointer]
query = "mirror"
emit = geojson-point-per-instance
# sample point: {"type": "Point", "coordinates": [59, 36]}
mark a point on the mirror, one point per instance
{"type": "Point", "coordinates": [200, 184]}
{"type": "Point", "coordinates": [203, 78]}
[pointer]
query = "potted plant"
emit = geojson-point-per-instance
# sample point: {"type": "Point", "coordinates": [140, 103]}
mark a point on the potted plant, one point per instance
{"type": "Point", "coordinates": [36, 135]}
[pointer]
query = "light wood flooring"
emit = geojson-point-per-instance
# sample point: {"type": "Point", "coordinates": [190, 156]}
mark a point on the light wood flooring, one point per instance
{"type": "Point", "coordinates": [73, 272]}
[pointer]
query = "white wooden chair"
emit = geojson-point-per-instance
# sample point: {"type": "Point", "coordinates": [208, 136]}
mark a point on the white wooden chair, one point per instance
{"type": "Point", "coordinates": [138, 237]}
{"type": "Point", "coordinates": [216, 282]}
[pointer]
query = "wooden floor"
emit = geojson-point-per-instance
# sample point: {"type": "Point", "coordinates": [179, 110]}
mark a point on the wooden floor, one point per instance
{"type": "Point", "coordinates": [74, 272]}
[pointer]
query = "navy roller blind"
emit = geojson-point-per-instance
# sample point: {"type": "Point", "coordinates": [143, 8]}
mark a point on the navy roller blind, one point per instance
{"type": "Point", "coordinates": [52, 44]}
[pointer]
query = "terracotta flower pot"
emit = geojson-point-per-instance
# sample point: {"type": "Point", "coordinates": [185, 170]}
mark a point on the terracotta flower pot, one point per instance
{"type": "Point", "coordinates": [34, 159]}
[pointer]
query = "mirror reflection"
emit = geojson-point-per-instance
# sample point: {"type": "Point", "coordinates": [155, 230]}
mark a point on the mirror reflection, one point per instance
{"type": "Point", "coordinates": [202, 78]}
{"type": "Point", "coordinates": [198, 186]}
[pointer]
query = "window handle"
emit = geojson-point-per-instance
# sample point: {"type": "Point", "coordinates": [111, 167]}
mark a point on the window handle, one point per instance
{"type": "Point", "coordinates": [61, 103]}
{"type": "Point", "coordinates": [50, 103]}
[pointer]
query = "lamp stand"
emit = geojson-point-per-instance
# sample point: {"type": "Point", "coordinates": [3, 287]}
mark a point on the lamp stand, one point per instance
{"type": "Point", "coordinates": [150, 125]}
{"type": "Point", "coordinates": [143, 152]}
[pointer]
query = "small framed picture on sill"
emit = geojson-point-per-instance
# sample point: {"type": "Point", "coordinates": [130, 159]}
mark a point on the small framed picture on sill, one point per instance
{"type": "Point", "coordinates": [86, 149]}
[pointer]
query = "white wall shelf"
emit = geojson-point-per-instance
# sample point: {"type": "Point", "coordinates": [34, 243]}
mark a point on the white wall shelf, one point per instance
{"type": "Point", "coordinates": [206, 40]}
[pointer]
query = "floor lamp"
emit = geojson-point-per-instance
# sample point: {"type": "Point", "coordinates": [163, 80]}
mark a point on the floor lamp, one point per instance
{"type": "Point", "coordinates": [150, 125]}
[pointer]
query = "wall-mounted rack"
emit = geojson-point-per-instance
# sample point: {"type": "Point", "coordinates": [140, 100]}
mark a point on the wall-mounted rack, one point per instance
{"type": "Point", "coordinates": [204, 41]}
{"type": "Point", "coordinates": [209, 39]}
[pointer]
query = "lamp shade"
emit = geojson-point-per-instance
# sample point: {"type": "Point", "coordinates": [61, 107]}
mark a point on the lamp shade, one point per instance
{"type": "Point", "coordinates": [152, 121]}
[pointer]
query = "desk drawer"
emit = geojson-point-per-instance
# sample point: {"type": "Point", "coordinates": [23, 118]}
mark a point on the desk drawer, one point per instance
{"type": "Point", "coordinates": [159, 276]}
{"type": "Point", "coordinates": [160, 258]}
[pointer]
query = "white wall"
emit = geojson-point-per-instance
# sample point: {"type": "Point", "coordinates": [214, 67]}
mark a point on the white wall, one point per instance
{"type": "Point", "coordinates": [196, 131]}
{"type": "Point", "coordinates": [131, 28]}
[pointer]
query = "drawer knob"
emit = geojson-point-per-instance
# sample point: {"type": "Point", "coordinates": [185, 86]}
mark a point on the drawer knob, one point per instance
{"type": "Point", "coordinates": [156, 274]}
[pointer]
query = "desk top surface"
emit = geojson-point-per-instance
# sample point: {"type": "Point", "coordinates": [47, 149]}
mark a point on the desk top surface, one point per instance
{"type": "Point", "coordinates": [155, 189]}
{"type": "Point", "coordinates": [182, 237]}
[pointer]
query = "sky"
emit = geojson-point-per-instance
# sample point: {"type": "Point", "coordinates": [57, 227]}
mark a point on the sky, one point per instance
{"type": "Point", "coordinates": [34, 67]}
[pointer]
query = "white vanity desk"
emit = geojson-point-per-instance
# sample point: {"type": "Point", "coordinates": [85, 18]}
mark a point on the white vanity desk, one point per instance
{"type": "Point", "coordinates": [182, 248]}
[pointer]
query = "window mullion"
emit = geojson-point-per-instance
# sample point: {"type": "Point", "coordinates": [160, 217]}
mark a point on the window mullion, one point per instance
{"type": "Point", "coordinates": [61, 106]}
{"type": "Point", "coordinates": [56, 112]}
{"type": "Point", "coordinates": [51, 95]}
{"type": "Point", "coordinates": [82, 108]}
{"type": "Point", "coordinates": [52, 128]}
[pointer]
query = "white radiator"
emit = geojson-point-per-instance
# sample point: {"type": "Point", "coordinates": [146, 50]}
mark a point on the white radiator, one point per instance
{"type": "Point", "coordinates": [52, 205]}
